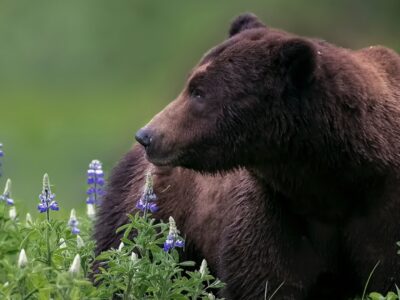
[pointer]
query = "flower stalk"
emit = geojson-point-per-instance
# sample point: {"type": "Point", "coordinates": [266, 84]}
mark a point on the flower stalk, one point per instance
{"type": "Point", "coordinates": [147, 200]}
{"type": "Point", "coordinates": [73, 222]}
{"type": "Point", "coordinates": [47, 202]}
{"type": "Point", "coordinates": [1, 156]}
{"type": "Point", "coordinates": [173, 240]}
{"type": "Point", "coordinates": [6, 196]}
{"type": "Point", "coordinates": [95, 180]}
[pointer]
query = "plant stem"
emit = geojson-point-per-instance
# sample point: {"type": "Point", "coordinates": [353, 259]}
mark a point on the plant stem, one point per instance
{"type": "Point", "coordinates": [145, 210]}
{"type": "Point", "coordinates": [22, 287]}
{"type": "Point", "coordinates": [48, 231]}
{"type": "Point", "coordinates": [369, 278]}
{"type": "Point", "coordinates": [129, 287]}
{"type": "Point", "coordinates": [30, 294]}
{"type": "Point", "coordinates": [196, 293]}
{"type": "Point", "coordinates": [3, 216]}
{"type": "Point", "coordinates": [48, 244]}
{"type": "Point", "coordinates": [95, 189]}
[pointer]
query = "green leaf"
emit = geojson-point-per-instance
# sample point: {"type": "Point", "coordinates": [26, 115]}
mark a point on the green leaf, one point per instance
{"type": "Point", "coordinates": [391, 296]}
{"type": "Point", "coordinates": [187, 263]}
{"type": "Point", "coordinates": [376, 296]}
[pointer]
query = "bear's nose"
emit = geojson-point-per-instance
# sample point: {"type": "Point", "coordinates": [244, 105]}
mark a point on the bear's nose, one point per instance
{"type": "Point", "coordinates": [143, 136]}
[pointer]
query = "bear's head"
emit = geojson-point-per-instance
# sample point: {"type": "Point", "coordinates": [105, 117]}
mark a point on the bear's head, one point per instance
{"type": "Point", "coordinates": [240, 104]}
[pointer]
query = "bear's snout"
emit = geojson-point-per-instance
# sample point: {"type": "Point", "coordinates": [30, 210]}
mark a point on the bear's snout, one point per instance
{"type": "Point", "coordinates": [157, 149]}
{"type": "Point", "coordinates": [144, 137]}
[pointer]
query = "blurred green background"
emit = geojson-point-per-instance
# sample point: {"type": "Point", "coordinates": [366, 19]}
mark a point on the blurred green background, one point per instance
{"type": "Point", "coordinates": [78, 78]}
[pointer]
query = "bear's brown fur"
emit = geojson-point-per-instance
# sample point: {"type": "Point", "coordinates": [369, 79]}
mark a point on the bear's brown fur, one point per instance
{"type": "Point", "coordinates": [280, 161]}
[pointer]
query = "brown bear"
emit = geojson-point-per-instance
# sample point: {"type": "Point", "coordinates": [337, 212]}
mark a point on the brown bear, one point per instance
{"type": "Point", "coordinates": [280, 161]}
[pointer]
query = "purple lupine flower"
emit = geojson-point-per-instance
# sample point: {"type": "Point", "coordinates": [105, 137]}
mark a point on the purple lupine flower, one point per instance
{"type": "Point", "coordinates": [147, 201]}
{"type": "Point", "coordinates": [173, 240]}
{"type": "Point", "coordinates": [1, 155]}
{"type": "Point", "coordinates": [73, 222]}
{"type": "Point", "coordinates": [47, 202]}
{"type": "Point", "coordinates": [95, 179]}
{"type": "Point", "coordinates": [6, 196]}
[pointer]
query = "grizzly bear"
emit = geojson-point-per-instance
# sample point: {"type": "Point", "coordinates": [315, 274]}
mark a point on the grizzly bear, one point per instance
{"type": "Point", "coordinates": [280, 161]}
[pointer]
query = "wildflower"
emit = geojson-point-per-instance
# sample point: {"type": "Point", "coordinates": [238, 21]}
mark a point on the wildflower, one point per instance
{"type": "Point", "coordinates": [210, 296]}
{"type": "Point", "coordinates": [22, 259]}
{"type": "Point", "coordinates": [28, 220]}
{"type": "Point", "coordinates": [90, 211]}
{"type": "Point", "coordinates": [62, 244]}
{"type": "Point", "coordinates": [75, 267]}
{"type": "Point", "coordinates": [79, 242]}
{"type": "Point", "coordinates": [1, 155]}
{"type": "Point", "coordinates": [121, 245]}
{"type": "Point", "coordinates": [148, 198]}
{"type": "Point", "coordinates": [6, 196]}
{"type": "Point", "coordinates": [73, 222]}
{"type": "Point", "coordinates": [46, 197]}
{"type": "Point", "coordinates": [203, 268]}
{"type": "Point", "coordinates": [12, 213]}
{"type": "Point", "coordinates": [96, 182]}
{"type": "Point", "coordinates": [173, 239]}
{"type": "Point", "coordinates": [134, 257]}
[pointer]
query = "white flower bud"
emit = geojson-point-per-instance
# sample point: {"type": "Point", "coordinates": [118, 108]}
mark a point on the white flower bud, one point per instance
{"type": "Point", "coordinates": [22, 259]}
{"type": "Point", "coordinates": [76, 265]}
{"type": "Point", "coordinates": [210, 296]}
{"type": "Point", "coordinates": [121, 246]}
{"type": "Point", "coordinates": [12, 213]}
{"type": "Point", "coordinates": [91, 213]}
{"type": "Point", "coordinates": [173, 231]}
{"type": "Point", "coordinates": [46, 184]}
{"type": "Point", "coordinates": [62, 243]}
{"type": "Point", "coordinates": [72, 216]}
{"type": "Point", "coordinates": [7, 188]}
{"type": "Point", "coordinates": [134, 257]}
{"type": "Point", "coordinates": [79, 242]}
{"type": "Point", "coordinates": [95, 164]}
{"type": "Point", "coordinates": [28, 220]}
{"type": "Point", "coordinates": [203, 268]}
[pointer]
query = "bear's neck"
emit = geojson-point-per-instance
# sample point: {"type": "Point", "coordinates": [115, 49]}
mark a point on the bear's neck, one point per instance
{"type": "Point", "coordinates": [327, 195]}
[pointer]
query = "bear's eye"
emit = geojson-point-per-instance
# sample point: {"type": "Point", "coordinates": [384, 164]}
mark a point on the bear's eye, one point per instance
{"type": "Point", "coordinates": [196, 93]}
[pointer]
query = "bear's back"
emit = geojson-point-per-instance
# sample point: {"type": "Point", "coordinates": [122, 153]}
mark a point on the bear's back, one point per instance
{"type": "Point", "coordinates": [384, 63]}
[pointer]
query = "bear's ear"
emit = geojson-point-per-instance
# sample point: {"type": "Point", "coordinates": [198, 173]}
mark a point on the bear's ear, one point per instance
{"type": "Point", "coordinates": [243, 22]}
{"type": "Point", "coordinates": [298, 59]}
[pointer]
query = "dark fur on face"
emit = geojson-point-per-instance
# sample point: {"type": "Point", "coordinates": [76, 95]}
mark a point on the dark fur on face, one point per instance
{"type": "Point", "coordinates": [266, 96]}
{"type": "Point", "coordinates": [234, 95]}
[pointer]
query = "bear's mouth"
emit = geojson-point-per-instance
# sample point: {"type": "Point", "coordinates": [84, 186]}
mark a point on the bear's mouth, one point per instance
{"type": "Point", "coordinates": [162, 161]}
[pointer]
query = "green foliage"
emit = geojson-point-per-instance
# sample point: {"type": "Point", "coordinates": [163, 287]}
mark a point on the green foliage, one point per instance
{"type": "Point", "coordinates": [141, 268]}
{"type": "Point", "coordinates": [50, 249]}
{"type": "Point", "coordinates": [58, 263]}
{"type": "Point", "coordinates": [389, 296]}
